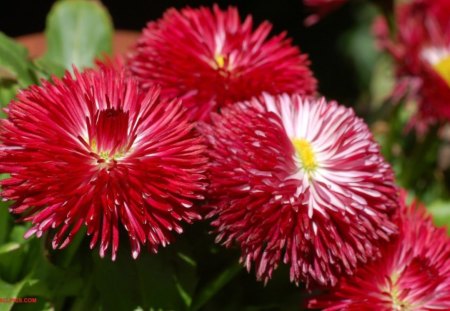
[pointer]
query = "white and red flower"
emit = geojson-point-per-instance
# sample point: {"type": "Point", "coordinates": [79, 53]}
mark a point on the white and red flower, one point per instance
{"type": "Point", "coordinates": [298, 180]}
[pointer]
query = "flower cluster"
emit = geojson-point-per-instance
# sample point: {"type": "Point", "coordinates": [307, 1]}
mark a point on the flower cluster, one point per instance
{"type": "Point", "coordinates": [421, 49]}
{"type": "Point", "coordinates": [298, 179]}
{"type": "Point", "coordinates": [211, 117]}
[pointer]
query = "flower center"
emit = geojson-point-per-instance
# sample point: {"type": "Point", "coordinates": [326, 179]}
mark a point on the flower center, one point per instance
{"type": "Point", "coordinates": [220, 61]}
{"type": "Point", "coordinates": [305, 154]}
{"type": "Point", "coordinates": [109, 135]}
{"type": "Point", "coordinates": [442, 67]}
{"type": "Point", "coordinates": [398, 304]}
{"type": "Point", "coordinates": [439, 60]}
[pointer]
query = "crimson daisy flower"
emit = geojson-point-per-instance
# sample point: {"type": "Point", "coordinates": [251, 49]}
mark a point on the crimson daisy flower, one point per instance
{"type": "Point", "coordinates": [92, 149]}
{"type": "Point", "coordinates": [300, 180]}
{"type": "Point", "coordinates": [210, 58]}
{"type": "Point", "coordinates": [412, 274]}
{"type": "Point", "coordinates": [421, 50]}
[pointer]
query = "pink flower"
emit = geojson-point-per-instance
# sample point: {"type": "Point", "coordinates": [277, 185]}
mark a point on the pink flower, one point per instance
{"type": "Point", "coordinates": [298, 180]}
{"type": "Point", "coordinates": [92, 150]}
{"type": "Point", "coordinates": [421, 50]}
{"type": "Point", "coordinates": [413, 273]}
{"type": "Point", "coordinates": [210, 58]}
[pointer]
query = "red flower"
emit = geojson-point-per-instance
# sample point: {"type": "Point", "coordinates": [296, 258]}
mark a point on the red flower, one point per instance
{"type": "Point", "coordinates": [321, 8]}
{"type": "Point", "coordinates": [210, 58]}
{"type": "Point", "coordinates": [301, 180]}
{"type": "Point", "coordinates": [422, 53]}
{"type": "Point", "coordinates": [413, 274]}
{"type": "Point", "coordinates": [93, 150]}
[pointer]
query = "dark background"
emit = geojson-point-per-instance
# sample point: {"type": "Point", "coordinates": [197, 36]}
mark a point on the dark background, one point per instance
{"type": "Point", "coordinates": [336, 73]}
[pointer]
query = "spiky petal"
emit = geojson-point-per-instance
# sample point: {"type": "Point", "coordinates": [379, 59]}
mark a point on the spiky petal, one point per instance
{"type": "Point", "coordinates": [412, 274]}
{"type": "Point", "coordinates": [210, 58]}
{"type": "Point", "coordinates": [93, 150]}
{"type": "Point", "coordinates": [298, 180]}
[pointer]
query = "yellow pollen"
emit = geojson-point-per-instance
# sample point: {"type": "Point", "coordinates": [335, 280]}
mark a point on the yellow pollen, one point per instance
{"type": "Point", "coordinates": [442, 67]}
{"type": "Point", "coordinates": [397, 303]}
{"type": "Point", "coordinates": [105, 155]}
{"type": "Point", "coordinates": [220, 61]}
{"type": "Point", "coordinates": [305, 153]}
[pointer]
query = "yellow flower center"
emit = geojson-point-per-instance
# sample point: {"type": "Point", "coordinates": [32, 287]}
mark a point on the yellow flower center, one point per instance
{"type": "Point", "coordinates": [305, 153]}
{"type": "Point", "coordinates": [397, 303]}
{"type": "Point", "coordinates": [105, 155]}
{"type": "Point", "coordinates": [442, 67]}
{"type": "Point", "coordinates": [220, 61]}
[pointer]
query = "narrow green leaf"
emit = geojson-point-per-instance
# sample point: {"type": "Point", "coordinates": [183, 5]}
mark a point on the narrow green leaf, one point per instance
{"type": "Point", "coordinates": [185, 296]}
{"type": "Point", "coordinates": [9, 247]}
{"type": "Point", "coordinates": [77, 32]}
{"type": "Point", "coordinates": [187, 259]}
{"type": "Point", "coordinates": [13, 256]}
{"type": "Point", "coordinates": [213, 287]}
{"type": "Point", "coordinates": [44, 279]}
{"type": "Point", "coordinates": [5, 222]}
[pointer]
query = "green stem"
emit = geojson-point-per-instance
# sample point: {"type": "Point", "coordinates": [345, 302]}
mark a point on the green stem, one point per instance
{"type": "Point", "coordinates": [213, 287]}
{"type": "Point", "coordinates": [416, 164]}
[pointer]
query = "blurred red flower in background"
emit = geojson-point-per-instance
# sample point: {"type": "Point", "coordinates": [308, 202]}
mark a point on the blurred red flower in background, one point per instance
{"type": "Point", "coordinates": [321, 8]}
{"type": "Point", "coordinates": [412, 274]}
{"type": "Point", "coordinates": [421, 50]}
{"type": "Point", "coordinates": [92, 149]}
{"type": "Point", "coordinates": [210, 58]}
{"type": "Point", "coordinates": [298, 179]}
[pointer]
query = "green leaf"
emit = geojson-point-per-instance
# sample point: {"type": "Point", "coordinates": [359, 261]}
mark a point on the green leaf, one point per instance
{"type": "Point", "coordinates": [214, 286]}
{"type": "Point", "coordinates": [77, 32]}
{"type": "Point", "coordinates": [9, 291]}
{"type": "Point", "coordinates": [15, 70]}
{"type": "Point", "coordinates": [9, 247]}
{"type": "Point", "coordinates": [13, 255]}
{"type": "Point", "coordinates": [441, 213]}
{"type": "Point", "coordinates": [5, 222]}
{"type": "Point", "coordinates": [14, 63]}
{"type": "Point", "coordinates": [7, 92]}
{"type": "Point", "coordinates": [46, 68]}
{"type": "Point", "coordinates": [162, 281]}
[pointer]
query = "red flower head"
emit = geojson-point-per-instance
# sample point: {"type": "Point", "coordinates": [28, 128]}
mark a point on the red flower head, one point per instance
{"type": "Point", "coordinates": [321, 8]}
{"type": "Point", "coordinates": [301, 180]}
{"type": "Point", "coordinates": [210, 58]}
{"type": "Point", "coordinates": [91, 149]}
{"type": "Point", "coordinates": [422, 52]}
{"type": "Point", "coordinates": [412, 274]}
